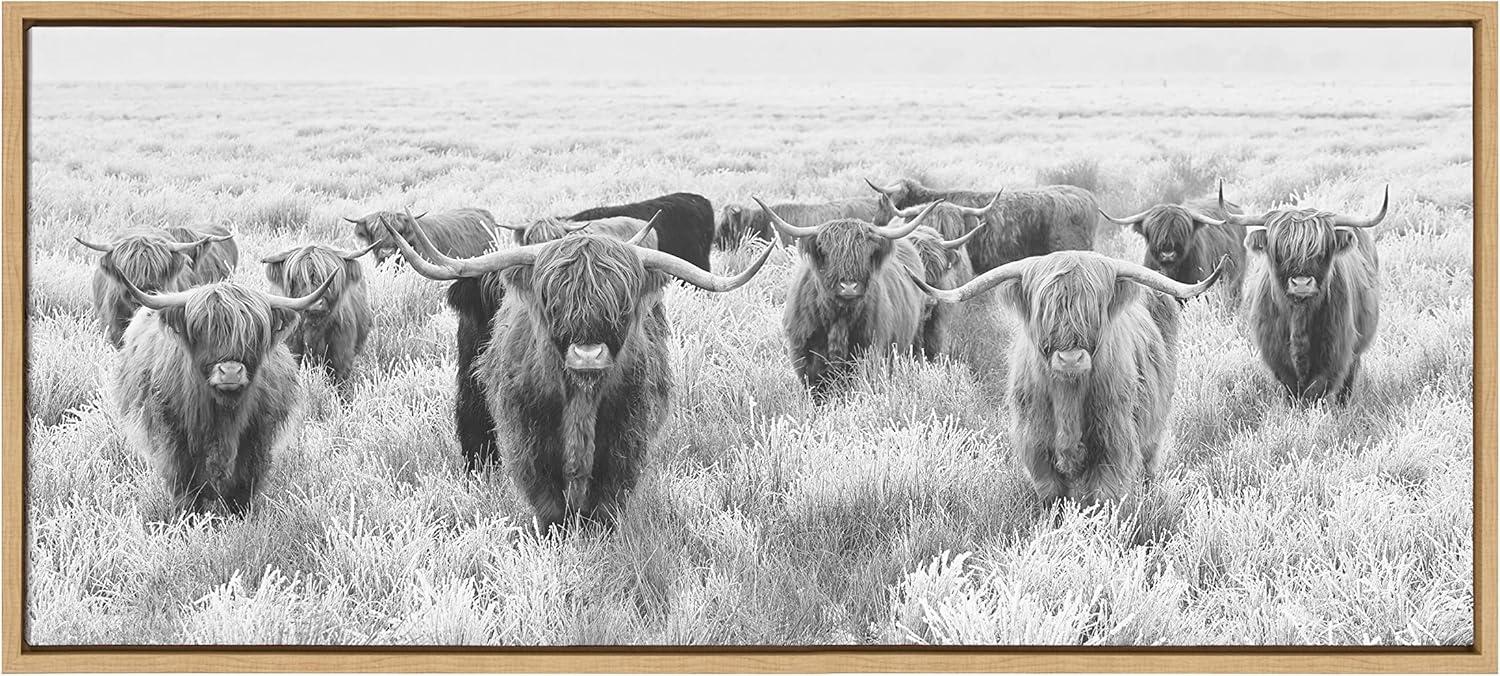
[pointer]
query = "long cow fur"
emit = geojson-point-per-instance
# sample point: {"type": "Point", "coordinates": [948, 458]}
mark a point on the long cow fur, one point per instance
{"type": "Point", "coordinates": [684, 229]}
{"type": "Point", "coordinates": [333, 335]}
{"type": "Point", "coordinates": [144, 259]}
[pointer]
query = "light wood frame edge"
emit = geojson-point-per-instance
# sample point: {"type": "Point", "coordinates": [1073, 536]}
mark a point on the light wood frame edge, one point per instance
{"type": "Point", "coordinates": [17, 17]}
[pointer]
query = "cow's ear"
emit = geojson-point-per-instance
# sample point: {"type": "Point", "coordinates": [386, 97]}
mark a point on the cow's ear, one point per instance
{"type": "Point", "coordinates": [1126, 292]}
{"type": "Point", "coordinates": [1012, 293]}
{"type": "Point", "coordinates": [1344, 239]}
{"type": "Point", "coordinates": [283, 320]}
{"type": "Point", "coordinates": [175, 319]}
{"type": "Point", "coordinates": [1255, 239]}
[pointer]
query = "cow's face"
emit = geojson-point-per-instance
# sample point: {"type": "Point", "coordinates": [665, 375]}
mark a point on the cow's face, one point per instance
{"type": "Point", "coordinates": [372, 229]}
{"type": "Point", "coordinates": [300, 272]}
{"type": "Point", "coordinates": [937, 260]}
{"type": "Point", "coordinates": [1168, 231]}
{"type": "Point", "coordinates": [542, 230]}
{"type": "Point", "coordinates": [845, 254]}
{"type": "Point", "coordinates": [228, 332]}
{"type": "Point", "coordinates": [1300, 246]}
{"type": "Point", "coordinates": [1067, 301]}
{"type": "Point", "coordinates": [149, 262]}
{"type": "Point", "coordinates": [589, 292]}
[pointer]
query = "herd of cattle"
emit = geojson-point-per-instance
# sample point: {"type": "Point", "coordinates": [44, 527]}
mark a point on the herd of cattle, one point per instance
{"type": "Point", "coordinates": [563, 371]}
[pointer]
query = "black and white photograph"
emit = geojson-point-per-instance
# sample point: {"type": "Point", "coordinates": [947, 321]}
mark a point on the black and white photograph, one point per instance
{"type": "Point", "coordinates": [749, 336]}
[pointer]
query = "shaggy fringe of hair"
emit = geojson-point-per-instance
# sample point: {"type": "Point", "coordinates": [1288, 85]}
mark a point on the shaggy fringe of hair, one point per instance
{"type": "Point", "coordinates": [306, 269]}
{"type": "Point", "coordinates": [1299, 238]}
{"type": "Point", "coordinates": [146, 261]}
{"type": "Point", "coordinates": [229, 319]}
{"type": "Point", "coordinates": [847, 248]}
{"type": "Point", "coordinates": [1066, 297]}
{"type": "Point", "coordinates": [584, 281]}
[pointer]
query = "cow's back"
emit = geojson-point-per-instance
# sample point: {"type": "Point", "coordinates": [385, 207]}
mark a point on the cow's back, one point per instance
{"type": "Point", "coordinates": [461, 233]}
{"type": "Point", "coordinates": [1035, 222]}
{"type": "Point", "coordinates": [215, 261]}
{"type": "Point", "coordinates": [684, 229]}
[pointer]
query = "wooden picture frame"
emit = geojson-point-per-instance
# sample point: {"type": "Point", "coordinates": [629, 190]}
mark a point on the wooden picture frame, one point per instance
{"type": "Point", "coordinates": [1480, 17]}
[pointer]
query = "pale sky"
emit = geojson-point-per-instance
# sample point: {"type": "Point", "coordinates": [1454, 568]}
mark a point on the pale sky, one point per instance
{"type": "Point", "coordinates": [463, 53]}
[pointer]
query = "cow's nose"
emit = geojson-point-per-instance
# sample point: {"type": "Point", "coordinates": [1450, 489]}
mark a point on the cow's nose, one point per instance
{"type": "Point", "coordinates": [588, 357]}
{"type": "Point", "coordinates": [1167, 256]}
{"type": "Point", "coordinates": [1071, 362]}
{"type": "Point", "coordinates": [229, 376]}
{"type": "Point", "coordinates": [1302, 287]}
{"type": "Point", "coordinates": [851, 289]}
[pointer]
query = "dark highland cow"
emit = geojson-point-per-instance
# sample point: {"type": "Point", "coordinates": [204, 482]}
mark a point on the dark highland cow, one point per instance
{"type": "Point", "coordinates": [945, 266]}
{"type": "Point", "coordinates": [475, 300]}
{"type": "Point", "coordinates": [851, 293]}
{"type": "Point", "coordinates": [1315, 304]}
{"type": "Point", "coordinates": [740, 222]}
{"type": "Point", "coordinates": [334, 327]}
{"type": "Point", "coordinates": [207, 387]}
{"type": "Point", "coordinates": [576, 374]}
{"type": "Point", "coordinates": [462, 232]}
{"type": "Point", "coordinates": [171, 259]}
{"type": "Point", "coordinates": [1185, 241]}
{"type": "Point", "coordinates": [684, 229]}
{"type": "Point", "coordinates": [1022, 223]}
{"type": "Point", "coordinates": [1092, 370]}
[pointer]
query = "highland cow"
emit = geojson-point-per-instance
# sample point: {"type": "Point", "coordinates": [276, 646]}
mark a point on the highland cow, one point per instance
{"type": "Point", "coordinates": [207, 386]}
{"type": "Point", "coordinates": [739, 222]}
{"type": "Point", "coordinates": [945, 266]}
{"type": "Point", "coordinates": [576, 373]}
{"type": "Point", "coordinates": [684, 228]}
{"type": "Point", "coordinates": [475, 301]}
{"type": "Point", "coordinates": [462, 232]}
{"type": "Point", "coordinates": [334, 328]}
{"type": "Point", "coordinates": [851, 294]}
{"type": "Point", "coordinates": [1315, 304]}
{"type": "Point", "coordinates": [171, 259]}
{"type": "Point", "coordinates": [1184, 242]}
{"type": "Point", "coordinates": [1092, 369]}
{"type": "Point", "coordinates": [1022, 223]}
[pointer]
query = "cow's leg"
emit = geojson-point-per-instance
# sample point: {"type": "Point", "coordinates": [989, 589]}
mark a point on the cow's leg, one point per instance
{"type": "Point", "coordinates": [473, 422]}
{"type": "Point", "coordinates": [1348, 385]}
{"type": "Point", "coordinates": [933, 335]}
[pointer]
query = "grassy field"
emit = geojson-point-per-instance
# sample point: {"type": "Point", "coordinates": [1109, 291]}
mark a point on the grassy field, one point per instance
{"type": "Point", "coordinates": [893, 514]}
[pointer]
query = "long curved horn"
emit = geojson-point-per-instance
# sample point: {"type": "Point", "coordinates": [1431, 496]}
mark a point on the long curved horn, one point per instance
{"type": "Point", "coordinates": [443, 268]}
{"type": "Point", "coordinates": [507, 226]}
{"type": "Point", "coordinates": [876, 188]}
{"type": "Point", "coordinates": [787, 229]}
{"type": "Point", "coordinates": [351, 255]}
{"type": "Point", "coordinates": [1128, 220]}
{"type": "Point", "coordinates": [184, 247]}
{"type": "Point", "coordinates": [106, 248]}
{"type": "Point", "coordinates": [976, 286]}
{"type": "Point", "coordinates": [281, 256]}
{"type": "Point", "coordinates": [1234, 218]}
{"type": "Point", "coordinates": [692, 274]}
{"type": "Point", "coordinates": [155, 301]}
{"type": "Point", "coordinates": [1152, 279]}
{"type": "Point", "coordinates": [1202, 217]}
{"type": "Point", "coordinates": [300, 304]}
{"type": "Point", "coordinates": [352, 220]}
{"type": "Point", "coordinates": [576, 228]}
{"type": "Point", "coordinates": [408, 214]}
{"type": "Point", "coordinates": [1351, 222]}
{"type": "Point", "coordinates": [979, 212]}
{"type": "Point", "coordinates": [899, 231]}
{"type": "Point", "coordinates": [636, 239]}
{"type": "Point", "coordinates": [962, 239]}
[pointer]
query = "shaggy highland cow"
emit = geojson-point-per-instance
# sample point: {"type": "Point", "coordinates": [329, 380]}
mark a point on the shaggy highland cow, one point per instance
{"type": "Point", "coordinates": [945, 266]}
{"type": "Point", "coordinates": [739, 222]}
{"type": "Point", "coordinates": [171, 259]}
{"type": "Point", "coordinates": [1315, 304]}
{"type": "Point", "coordinates": [334, 328]}
{"type": "Point", "coordinates": [852, 293]}
{"type": "Point", "coordinates": [461, 232]}
{"type": "Point", "coordinates": [207, 386]}
{"type": "Point", "coordinates": [1022, 223]}
{"type": "Point", "coordinates": [684, 228]}
{"type": "Point", "coordinates": [1184, 242]}
{"type": "Point", "coordinates": [576, 374]}
{"type": "Point", "coordinates": [1092, 370]}
{"type": "Point", "coordinates": [475, 301]}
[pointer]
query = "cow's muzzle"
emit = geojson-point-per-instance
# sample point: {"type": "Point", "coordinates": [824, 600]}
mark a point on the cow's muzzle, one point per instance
{"type": "Point", "coordinates": [1302, 288]}
{"type": "Point", "coordinates": [588, 357]}
{"type": "Point", "coordinates": [850, 290]}
{"type": "Point", "coordinates": [1074, 362]}
{"type": "Point", "coordinates": [1167, 256]}
{"type": "Point", "coordinates": [229, 377]}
